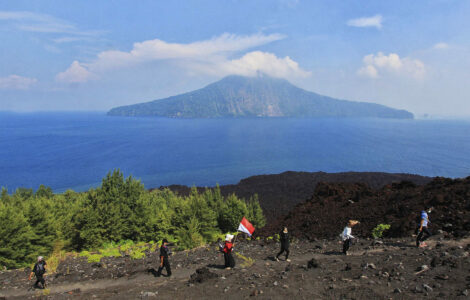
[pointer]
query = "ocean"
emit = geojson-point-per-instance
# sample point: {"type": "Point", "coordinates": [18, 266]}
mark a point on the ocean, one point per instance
{"type": "Point", "coordinates": [67, 150]}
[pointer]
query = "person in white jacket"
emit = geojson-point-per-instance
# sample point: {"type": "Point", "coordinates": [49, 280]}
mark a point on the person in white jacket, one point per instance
{"type": "Point", "coordinates": [347, 236]}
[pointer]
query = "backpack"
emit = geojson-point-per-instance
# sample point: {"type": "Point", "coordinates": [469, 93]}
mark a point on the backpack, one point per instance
{"type": "Point", "coordinates": [40, 270]}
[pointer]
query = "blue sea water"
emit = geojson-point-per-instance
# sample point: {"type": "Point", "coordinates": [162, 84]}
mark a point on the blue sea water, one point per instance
{"type": "Point", "coordinates": [76, 150]}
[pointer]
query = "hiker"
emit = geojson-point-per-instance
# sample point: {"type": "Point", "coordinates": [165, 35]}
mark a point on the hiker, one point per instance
{"type": "Point", "coordinates": [164, 263]}
{"type": "Point", "coordinates": [347, 237]}
{"type": "Point", "coordinates": [423, 231]}
{"type": "Point", "coordinates": [39, 270]}
{"type": "Point", "coordinates": [228, 258]}
{"type": "Point", "coordinates": [284, 238]}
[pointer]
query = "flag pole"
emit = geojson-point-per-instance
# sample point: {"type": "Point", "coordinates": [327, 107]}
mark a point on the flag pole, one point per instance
{"type": "Point", "coordinates": [235, 238]}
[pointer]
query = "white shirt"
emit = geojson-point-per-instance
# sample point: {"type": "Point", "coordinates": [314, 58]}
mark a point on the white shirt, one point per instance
{"type": "Point", "coordinates": [425, 218]}
{"type": "Point", "coordinates": [347, 233]}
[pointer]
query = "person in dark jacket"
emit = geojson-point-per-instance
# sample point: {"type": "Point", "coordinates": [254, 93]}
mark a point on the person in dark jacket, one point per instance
{"type": "Point", "coordinates": [228, 248]}
{"type": "Point", "coordinates": [39, 270]}
{"type": "Point", "coordinates": [164, 262]}
{"type": "Point", "coordinates": [284, 237]}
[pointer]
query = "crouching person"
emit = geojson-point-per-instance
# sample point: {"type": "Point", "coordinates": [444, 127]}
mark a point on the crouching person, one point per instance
{"type": "Point", "coordinates": [229, 260]}
{"type": "Point", "coordinates": [39, 270]}
{"type": "Point", "coordinates": [164, 262]}
{"type": "Point", "coordinates": [347, 236]}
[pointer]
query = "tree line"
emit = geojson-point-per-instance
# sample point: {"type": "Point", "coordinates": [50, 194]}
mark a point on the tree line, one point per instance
{"type": "Point", "coordinates": [33, 223]}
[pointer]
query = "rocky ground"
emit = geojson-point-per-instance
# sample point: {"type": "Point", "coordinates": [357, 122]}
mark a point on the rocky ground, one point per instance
{"type": "Point", "coordinates": [388, 269]}
{"type": "Point", "coordinates": [397, 204]}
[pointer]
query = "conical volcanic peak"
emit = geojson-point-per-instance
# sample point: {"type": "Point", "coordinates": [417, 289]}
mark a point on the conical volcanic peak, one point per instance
{"type": "Point", "coordinates": [261, 96]}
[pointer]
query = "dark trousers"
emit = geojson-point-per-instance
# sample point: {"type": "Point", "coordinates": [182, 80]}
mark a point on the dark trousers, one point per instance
{"type": "Point", "coordinates": [166, 265]}
{"type": "Point", "coordinates": [40, 279]}
{"type": "Point", "coordinates": [284, 248]}
{"type": "Point", "coordinates": [346, 244]}
{"type": "Point", "coordinates": [423, 235]}
{"type": "Point", "coordinates": [229, 261]}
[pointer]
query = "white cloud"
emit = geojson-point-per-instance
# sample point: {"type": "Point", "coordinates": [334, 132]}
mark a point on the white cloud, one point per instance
{"type": "Point", "coordinates": [368, 71]}
{"type": "Point", "coordinates": [42, 23]}
{"type": "Point", "coordinates": [201, 57]}
{"type": "Point", "coordinates": [441, 46]}
{"type": "Point", "coordinates": [253, 62]}
{"type": "Point", "coordinates": [16, 82]}
{"type": "Point", "coordinates": [76, 73]}
{"type": "Point", "coordinates": [153, 50]}
{"type": "Point", "coordinates": [379, 64]}
{"type": "Point", "coordinates": [374, 21]}
{"type": "Point", "coordinates": [71, 39]}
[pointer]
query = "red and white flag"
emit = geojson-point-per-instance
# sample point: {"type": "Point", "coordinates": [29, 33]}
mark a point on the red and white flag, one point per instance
{"type": "Point", "coordinates": [246, 227]}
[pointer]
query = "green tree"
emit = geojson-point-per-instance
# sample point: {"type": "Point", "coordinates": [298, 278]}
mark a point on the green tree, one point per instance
{"type": "Point", "coordinates": [200, 210]}
{"type": "Point", "coordinates": [44, 192]}
{"type": "Point", "coordinates": [40, 218]}
{"type": "Point", "coordinates": [231, 213]}
{"type": "Point", "coordinates": [255, 212]}
{"type": "Point", "coordinates": [189, 234]}
{"type": "Point", "coordinates": [4, 197]}
{"type": "Point", "coordinates": [16, 235]}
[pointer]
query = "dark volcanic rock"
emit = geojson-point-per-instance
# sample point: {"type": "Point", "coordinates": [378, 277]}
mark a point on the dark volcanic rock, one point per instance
{"type": "Point", "coordinates": [313, 264]}
{"type": "Point", "coordinates": [326, 213]}
{"type": "Point", "coordinates": [201, 275]}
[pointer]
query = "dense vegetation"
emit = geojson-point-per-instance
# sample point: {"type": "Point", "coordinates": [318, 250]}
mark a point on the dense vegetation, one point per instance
{"type": "Point", "coordinates": [237, 96]}
{"type": "Point", "coordinates": [35, 223]}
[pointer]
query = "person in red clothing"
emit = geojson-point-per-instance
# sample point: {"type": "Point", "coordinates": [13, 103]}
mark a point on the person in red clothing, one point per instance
{"type": "Point", "coordinates": [229, 260]}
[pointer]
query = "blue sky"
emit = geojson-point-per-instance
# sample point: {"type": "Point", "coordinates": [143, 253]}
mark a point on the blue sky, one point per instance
{"type": "Point", "coordinates": [94, 55]}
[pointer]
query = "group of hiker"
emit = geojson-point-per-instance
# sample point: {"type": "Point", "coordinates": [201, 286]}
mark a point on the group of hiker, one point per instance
{"type": "Point", "coordinates": [227, 247]}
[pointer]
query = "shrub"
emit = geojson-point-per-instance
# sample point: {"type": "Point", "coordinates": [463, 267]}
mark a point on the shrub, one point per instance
{"type": "Point", "coordinates": [57, 256]}
{"type": "Point", "coordinates": [94, 258]}
{"type": "Point", "coordinates": [378, 231]}
{"type": "Point", "coordinates": [126, 246]}
{"type": "Point", "coordinates": [110, 252]}
{"type": "Point", "coordinates": [84, 253]}
{"type": "Point", "coordinates": [137, 254]}
{"type": "Point", "coordinates": [247, 261]}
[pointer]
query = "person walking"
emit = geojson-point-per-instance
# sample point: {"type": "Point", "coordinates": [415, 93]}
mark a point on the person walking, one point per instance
{"type": "Point", "coordinates": [347, 237]}
{"type": "Point", "coordinates": [164, 262]}
{"type": "Point", "coordinates": [228, 248]}
{"type": "Point", "coordinates": [39, 270]}
{"type": "Point", "coordinates": [284, 238]}
{"type": "Point", "coordinates": [423, 231]}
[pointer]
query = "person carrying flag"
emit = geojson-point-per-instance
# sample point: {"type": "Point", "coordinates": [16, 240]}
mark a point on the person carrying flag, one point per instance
{"type": "Point", "coordinates": [228, 248]}
{"type": "Point", "coordinates": [246, 227]}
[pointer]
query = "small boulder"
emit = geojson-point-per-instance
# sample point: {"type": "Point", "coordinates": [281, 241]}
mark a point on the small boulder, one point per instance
{"type": "Point", "coordinates": [202, 275]}
{"type": "Point", "coordinates": [427, 288]}
{"type": "Point", "coordinates": [313, 263]}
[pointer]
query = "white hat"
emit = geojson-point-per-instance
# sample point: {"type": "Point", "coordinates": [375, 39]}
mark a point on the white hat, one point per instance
{"type": "Point", "coordinates": [40, 258]}
{"type": "Point", "coordinates": [228, 237]}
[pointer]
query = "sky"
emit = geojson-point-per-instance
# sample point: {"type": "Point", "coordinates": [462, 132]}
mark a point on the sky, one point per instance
{"type": "Point", "coordinates": [94, 55]}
